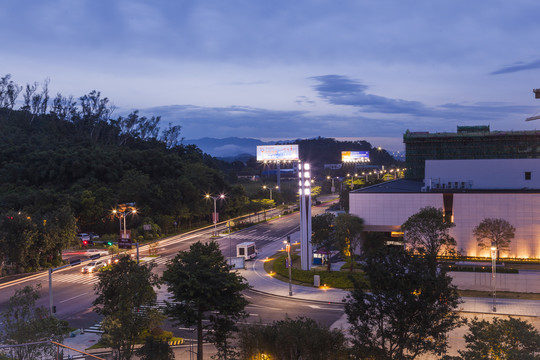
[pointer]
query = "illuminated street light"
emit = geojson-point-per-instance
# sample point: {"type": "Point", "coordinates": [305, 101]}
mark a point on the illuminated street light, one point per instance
{"type": "Point", "coordinates": [122, 211]}
{"type": "Point", "coordinates": [214, 214]}
{"type": "Point", "coordinates": [270, 188]}
{"type": "Point", "coordinates": [333, 188]}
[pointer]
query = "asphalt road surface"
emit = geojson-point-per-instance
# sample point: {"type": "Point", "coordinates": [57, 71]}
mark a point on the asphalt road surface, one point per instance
{"type": "Point", "coordinates": [73, 292]}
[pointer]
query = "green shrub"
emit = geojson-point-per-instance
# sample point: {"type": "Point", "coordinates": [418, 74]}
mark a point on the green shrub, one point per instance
{"type": "Point", "coordinates": [334, 279]}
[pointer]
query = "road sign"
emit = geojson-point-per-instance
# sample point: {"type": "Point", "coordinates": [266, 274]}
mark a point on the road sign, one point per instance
{"type": "Point", "coordinates": [125, 240]}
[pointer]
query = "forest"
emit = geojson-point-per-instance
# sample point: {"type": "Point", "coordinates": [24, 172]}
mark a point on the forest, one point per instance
{"type": "Point", "coordinates": [66, 163]}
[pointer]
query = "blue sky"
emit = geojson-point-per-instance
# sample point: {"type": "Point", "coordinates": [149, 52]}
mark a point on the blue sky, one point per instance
{"type": "Point", "coordinates": [287, 69]}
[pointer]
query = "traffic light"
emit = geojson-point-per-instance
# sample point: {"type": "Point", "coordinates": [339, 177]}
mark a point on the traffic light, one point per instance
{"type": "Point", "coordinates": [85, 242]}
{"type": "Point", "coordinates": [109, 243]}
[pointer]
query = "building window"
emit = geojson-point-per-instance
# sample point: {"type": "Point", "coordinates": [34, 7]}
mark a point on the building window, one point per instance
{"type": "Point", "coordinates": [527, 175]}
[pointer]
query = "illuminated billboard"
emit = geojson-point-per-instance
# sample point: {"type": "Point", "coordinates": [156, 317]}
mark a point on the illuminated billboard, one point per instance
{"type": "Point", "coordinates": [277, 153]}
{"type": "Point", "coordinates": [355, 156]}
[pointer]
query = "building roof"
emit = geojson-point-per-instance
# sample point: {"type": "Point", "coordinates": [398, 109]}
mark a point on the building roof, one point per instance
{"type": "Point", "coordinates": [394, 186]}
{"type": "Point", "coordinates": [401, 186]}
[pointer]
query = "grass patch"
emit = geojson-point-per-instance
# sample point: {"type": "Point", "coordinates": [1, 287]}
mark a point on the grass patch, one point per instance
{"type": "Point", "coordinates": [334, 279]}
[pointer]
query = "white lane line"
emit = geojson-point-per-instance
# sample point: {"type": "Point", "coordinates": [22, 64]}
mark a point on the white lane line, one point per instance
{"type": "Point", "coordinates": [323, 308]}
{"type": "Point", "coordinates": [263, 307]}
{"type": "Point", "coordinates": [72, 298]}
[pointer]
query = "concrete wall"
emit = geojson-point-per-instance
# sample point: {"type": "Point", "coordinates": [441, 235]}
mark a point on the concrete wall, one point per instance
{"type": "Point", "coordinates": [522, 210]}
{"type": "Point", "coordinates": [485, 174]}
{"type": "Point", "coordinates": [525, 281]}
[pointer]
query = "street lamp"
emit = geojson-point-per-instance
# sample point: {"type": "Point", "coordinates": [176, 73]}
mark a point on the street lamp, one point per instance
{"type": "Point", "coordinates": [494, 272]}
{"type": "Point", "coordinates": [289, 263]}
{"type": "Point", "coordinates": [333, 188]}
{"type": "Point", "coordinates": [122, 213]}
{"type": "Point", "coordinates": [269, 188]}
{"type": "Point", "coordinates": [214, 214]}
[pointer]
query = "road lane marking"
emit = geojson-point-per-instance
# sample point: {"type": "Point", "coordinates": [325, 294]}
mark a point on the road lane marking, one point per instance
{"type": "Point", "coordinates": [72, 298]}
{"type": "Point", "coordinates": [322, 308]}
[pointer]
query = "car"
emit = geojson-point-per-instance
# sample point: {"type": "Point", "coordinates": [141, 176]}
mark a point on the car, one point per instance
{"type": "Point", "coordinates": [93, 266]}
{"type": "Point", "coordinates": [85, 238]}
{"type": "Point", "coordinates": [93, 236]}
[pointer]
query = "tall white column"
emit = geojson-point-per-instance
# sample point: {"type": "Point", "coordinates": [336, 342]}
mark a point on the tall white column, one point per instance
{"type": "Point", "coordinates": [306, 248]}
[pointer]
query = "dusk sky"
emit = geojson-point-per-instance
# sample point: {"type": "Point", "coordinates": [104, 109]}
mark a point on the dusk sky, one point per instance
{"type": "Point", "coordinates": [287, 69]}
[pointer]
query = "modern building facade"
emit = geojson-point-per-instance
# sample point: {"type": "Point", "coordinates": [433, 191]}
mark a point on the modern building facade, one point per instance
{"type": "Point", "coordinates": [468, 191]}
{"type": "Point", "coordinates": [469, 142]}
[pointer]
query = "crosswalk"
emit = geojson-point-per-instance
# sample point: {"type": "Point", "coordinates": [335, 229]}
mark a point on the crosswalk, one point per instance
{"type": "Point", "coordinates": [88, 279]}
{"type": "Point", "coordinates": [96, 329]}
{"type": "Point", "coordinates": [249, 237]}
{"type": "Point", "coordinates": [162, 260]}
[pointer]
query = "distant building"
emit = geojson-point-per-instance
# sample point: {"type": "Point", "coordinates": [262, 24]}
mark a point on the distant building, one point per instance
{"type": "Point", "coordinates": [470, 142]}
{"type": "Point", "coordinates": [467, 191]}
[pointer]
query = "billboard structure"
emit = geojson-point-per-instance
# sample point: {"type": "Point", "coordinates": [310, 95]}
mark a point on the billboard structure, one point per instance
{"type": "Point", "coordinates": [276, 153]}
{"type": "Point", "coordinates": [355, 156]}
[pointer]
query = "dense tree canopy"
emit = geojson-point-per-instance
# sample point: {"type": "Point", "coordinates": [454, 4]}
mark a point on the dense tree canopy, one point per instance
{"type": "Point", "coordinates": [204, 289]}
{"type": "Point", "coordinates": [506, 339]}
{"type": "Point", "coordinates": [498, 232]}
{"type": "Point", "coordinates": [122, 292]}
{"type": "Point", "coordinates": [408, 310]}
{"type": "Point", "coordinates": [291, 339]}
{"type": "Point", "coordinates": [24, 322]}
{"type": "Point", "coordinates": [426, 232]}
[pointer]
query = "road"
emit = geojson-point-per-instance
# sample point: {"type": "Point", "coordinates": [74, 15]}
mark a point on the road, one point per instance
{"type": "Point", "coordinates": [73, 292]}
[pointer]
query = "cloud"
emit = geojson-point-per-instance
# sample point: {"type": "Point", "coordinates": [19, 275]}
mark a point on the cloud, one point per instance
{"type": "Point", "coordinates": [340, 90]}
{"type": "Point", "coordinates": [241, 121]}
{"type": "Point", "coordinates": [519, 66]}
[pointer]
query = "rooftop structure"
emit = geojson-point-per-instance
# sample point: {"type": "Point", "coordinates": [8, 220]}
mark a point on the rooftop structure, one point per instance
{"type": "Point", "coordinates": [469, 142]}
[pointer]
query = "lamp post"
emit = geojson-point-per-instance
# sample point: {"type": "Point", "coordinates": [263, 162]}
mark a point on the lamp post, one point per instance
{"type": "Point", "coordinates": [269, 188]}
{"type": "Point", "coordinates": [122, 213]}
{"type": "Point", "coordinates": [494, 272]}
{"type": "Point", "coordinates": [289, 263]}
{"type": "Point", "coordinates": [214, 214]}
{"type": "Point", "coordinates": [333, 188]}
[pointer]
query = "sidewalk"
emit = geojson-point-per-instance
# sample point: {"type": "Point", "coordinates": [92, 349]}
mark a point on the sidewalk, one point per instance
{"type": "Point", "coordinates": [261, 281]}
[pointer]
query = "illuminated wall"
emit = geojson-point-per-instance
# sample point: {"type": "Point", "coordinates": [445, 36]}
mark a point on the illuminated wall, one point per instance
{"type": "Point", "coordinates": [522, 210]}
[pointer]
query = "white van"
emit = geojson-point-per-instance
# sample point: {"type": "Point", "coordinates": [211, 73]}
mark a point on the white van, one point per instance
{"type": "Point", "coordinates": [247, 250]}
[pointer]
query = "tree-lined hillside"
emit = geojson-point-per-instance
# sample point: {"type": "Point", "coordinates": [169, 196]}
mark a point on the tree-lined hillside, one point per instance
{"type": "Point", "coordinates": [65, 161]}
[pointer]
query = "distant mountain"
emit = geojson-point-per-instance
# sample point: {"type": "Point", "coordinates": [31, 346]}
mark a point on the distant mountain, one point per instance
{"type": "Point", "coordinates": [229, 147]}
{"type": "Point", "coordinates": [328, 149]}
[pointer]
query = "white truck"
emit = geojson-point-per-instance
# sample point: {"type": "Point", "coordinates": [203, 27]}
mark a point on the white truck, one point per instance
{"type": "Point", "coordinates": [247, 250]}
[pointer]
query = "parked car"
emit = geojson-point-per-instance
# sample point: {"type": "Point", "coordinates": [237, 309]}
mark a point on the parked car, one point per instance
{"type": "Point", "coordinates": [93, 266]}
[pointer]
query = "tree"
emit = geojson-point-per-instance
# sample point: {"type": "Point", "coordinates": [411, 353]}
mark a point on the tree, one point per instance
{"type": "Point", "coordinates": [347, 231]}
{"type": "Point", "coordinates": [407, 311]}
{"type": "Point", "coordinates": [122, 292]}
{"type": "Point", "coordinates": [17, 236]}
{"type": "Point", "coordinates": [155, 349]}
{"type": "Point", "coordinates": [511, 339]}
{"type": "Point", "coordinates": [204, 288]}
{"type": "Point", "coordinates": [291, 339]}
{"type": "Point", "coordinates": [427, 233]}
{"type": "Point", "coordinates": [494, 231]}
{"type": "Point", "coordinates": [322, 227]}
{"type": "Point", "coordinates": [23, 322]}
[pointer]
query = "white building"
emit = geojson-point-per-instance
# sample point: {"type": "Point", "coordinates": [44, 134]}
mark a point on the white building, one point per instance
{"type": "Point", "coordinates": [468, 191]}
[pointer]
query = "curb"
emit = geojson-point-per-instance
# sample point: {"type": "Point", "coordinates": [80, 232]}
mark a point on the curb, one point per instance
{"type": "Point", "coordinates": [295, 298]}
